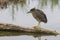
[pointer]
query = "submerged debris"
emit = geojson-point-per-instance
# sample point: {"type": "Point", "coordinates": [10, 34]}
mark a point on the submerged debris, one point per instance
{"type": "Point", "coordinates": [14, 30]}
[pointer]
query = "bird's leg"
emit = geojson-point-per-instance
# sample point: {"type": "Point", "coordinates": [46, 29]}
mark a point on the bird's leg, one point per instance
{"type": "Point", "coordinates": [38, 26]}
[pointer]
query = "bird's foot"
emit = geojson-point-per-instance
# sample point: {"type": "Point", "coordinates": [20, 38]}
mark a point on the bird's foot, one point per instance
{"type": "Point", "coordinates": [37, 27]}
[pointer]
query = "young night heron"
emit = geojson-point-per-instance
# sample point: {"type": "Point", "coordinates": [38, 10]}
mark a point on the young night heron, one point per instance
{"type": "Point", "coordinates": [39, 16]}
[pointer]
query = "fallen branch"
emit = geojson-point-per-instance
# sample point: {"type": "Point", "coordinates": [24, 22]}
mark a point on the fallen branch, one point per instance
{"type": "Point", "coordinates": [14, 30]}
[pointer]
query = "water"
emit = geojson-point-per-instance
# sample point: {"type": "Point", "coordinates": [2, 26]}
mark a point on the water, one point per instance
{"type": "Point", "coordinates": [50, 7]}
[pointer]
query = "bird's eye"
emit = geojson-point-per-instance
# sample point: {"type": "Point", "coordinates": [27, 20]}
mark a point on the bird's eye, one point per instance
{"type": "Point", "coordinates": [32, 9]}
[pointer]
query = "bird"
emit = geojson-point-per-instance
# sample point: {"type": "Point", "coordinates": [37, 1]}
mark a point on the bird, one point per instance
{"type": "Point", "coordinates": [39, 15]}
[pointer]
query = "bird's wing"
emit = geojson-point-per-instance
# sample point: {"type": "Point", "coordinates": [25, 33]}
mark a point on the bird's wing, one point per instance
{"type": "Point", "coordinates": [40, 14]}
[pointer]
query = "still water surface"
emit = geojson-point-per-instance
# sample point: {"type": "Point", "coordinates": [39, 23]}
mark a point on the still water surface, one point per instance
{"type": "Point", "coordinates": [50, 7]}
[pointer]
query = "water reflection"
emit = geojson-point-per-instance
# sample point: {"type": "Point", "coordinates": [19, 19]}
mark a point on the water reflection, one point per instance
{"type": "Point", "coordinates": [42, 3]}
{"type": "Point", "coordinates": [54, 3]}
{"type": "Point", "coordinates": [23, 3]}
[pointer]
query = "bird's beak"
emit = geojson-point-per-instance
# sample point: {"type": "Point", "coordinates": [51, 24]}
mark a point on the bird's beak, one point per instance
{"type": "Point", "coordinates": [28, 12]}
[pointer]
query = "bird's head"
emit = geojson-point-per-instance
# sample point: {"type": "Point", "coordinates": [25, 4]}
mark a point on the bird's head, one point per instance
{"type": "Point", "coordinates": [32, 10]}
